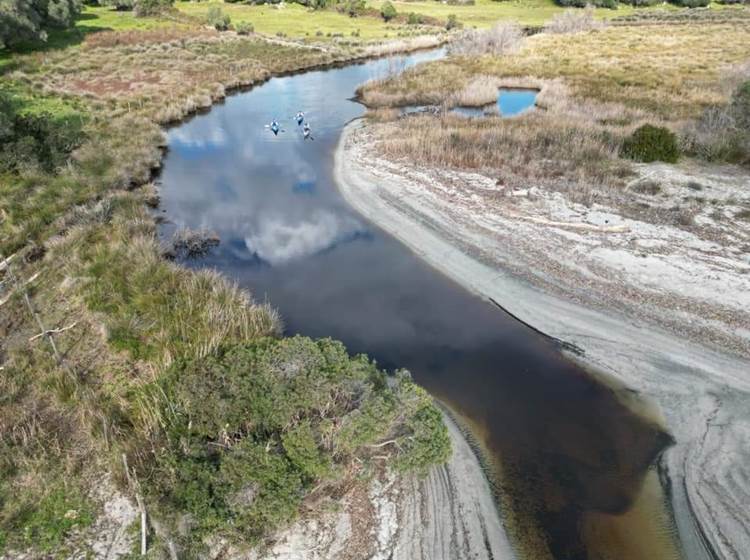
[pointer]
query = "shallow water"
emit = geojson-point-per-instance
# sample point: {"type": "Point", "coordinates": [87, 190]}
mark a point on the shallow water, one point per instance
{"type": "Point", "coordinates": [564, 444]}
{"type": "Point", "coordinates": [512, 102]}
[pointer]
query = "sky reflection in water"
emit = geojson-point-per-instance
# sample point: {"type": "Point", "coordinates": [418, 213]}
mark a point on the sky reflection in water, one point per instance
{"type": "Point", "coordinates": [287, 236]}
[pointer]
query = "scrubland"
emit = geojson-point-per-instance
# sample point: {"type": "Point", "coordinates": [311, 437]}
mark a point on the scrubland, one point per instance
{"type": "Point", "coordinates": [111, 355]}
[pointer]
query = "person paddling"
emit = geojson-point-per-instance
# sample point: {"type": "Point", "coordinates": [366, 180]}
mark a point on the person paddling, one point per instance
{"type": "Point", "coordinates": [306, 132]}
{"type": "Point", "coordinates": [300, 117]}
{"type": "Point", "coordinates": [275, 127]}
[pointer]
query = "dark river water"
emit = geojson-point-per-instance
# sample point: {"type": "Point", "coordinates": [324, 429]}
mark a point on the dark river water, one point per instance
{"type": "Point", "coordinates": [564, 447]}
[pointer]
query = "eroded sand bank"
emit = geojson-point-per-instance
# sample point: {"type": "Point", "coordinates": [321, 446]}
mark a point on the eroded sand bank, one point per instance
{"type": "Point", "coordinates": [703, 392]}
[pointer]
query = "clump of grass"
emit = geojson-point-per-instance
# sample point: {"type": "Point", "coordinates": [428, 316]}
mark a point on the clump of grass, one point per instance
{"type": "Point", "coordinates": [529, 148]}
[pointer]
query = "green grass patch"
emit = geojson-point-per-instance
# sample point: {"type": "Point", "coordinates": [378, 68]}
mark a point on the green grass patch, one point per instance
{"type": "Point", "coordinates": [296, 21]}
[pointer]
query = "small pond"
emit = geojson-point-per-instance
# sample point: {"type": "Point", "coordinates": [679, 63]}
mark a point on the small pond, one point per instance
{"type": "Point", "coordinates": [510, 102]}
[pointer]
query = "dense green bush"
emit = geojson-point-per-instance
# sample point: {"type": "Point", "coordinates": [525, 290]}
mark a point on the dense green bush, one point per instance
{"type": "Point", "coordinates": [244, 28]}
{"type": "Point", "coordinates": [651, 143]}
{"type": "Point", "coordinates": [691, 3]}
{"type": "Point", "coordinates": [414, 19]}
{"type": "Point", "coordinates": [251, 430]}
{"type": "Point", "coordinates": [144, 8]}
{"type": "Point", "coordinates": [29, 20]}
{"type": "Point", "coordinates": [453, 23]}
{"type": "Point", "coordinates": [387, 11]}
{"type": "Point", "coordinates": [643, 3]}
{"type": "Point", "coordinates": [34, 141]}
{"type": "Point", "coordinates": [217, 19]}
{"type": "Point", "coordinates": [612, 4]}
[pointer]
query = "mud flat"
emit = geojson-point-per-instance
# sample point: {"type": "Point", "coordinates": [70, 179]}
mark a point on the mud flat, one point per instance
{"type": "Point", "coordinates": [535, 267]}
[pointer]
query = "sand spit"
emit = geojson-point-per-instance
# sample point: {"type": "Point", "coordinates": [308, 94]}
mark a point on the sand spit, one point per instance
{"type": "Point", "coordinates": [590, 285]}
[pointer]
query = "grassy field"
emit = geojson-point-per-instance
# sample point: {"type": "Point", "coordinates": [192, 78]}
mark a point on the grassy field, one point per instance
{"type": "Point", "coordinates": [486, 12]}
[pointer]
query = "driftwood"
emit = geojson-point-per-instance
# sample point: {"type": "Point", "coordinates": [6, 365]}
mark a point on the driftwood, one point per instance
{"type": "Point", "coordinates": [53, 331]}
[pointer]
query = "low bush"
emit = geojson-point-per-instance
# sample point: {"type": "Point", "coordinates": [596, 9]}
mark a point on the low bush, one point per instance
{"type": "Point", "coordinates": [388, 11]}
{"type": "Point", "coordinates": [143, 8]}
{"type": "Point", "coordinates": [453, 23]}
{"type": "Point", "coordinates": [691, 3]}
{"type": "Point", "coordinates": [651, 143]}
{"type": "Point", "coordinates": [611, 4]}
{"type": "Point", "coordinates": [253, 428]}
{"type": "Point", "coordinates": [414, 19]}
{"type": "Point", "coordinates": [244, 28]}
{"type": "Point", "coordinates": [34, 141]}
{"type": "Point", "coordinates": [643, 3]}
{"type": "Point", "coordinates": [217, 19]}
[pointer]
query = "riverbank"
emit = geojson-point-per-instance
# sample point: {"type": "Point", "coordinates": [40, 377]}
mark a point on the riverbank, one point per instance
{"type": "Point", "coordinates": [448, 514]}
{"type": "Point", "coordinates": [454, 221]}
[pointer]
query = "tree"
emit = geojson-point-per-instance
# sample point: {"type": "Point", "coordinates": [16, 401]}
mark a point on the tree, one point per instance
{"type": "Point", "coordinates": [29, 20]}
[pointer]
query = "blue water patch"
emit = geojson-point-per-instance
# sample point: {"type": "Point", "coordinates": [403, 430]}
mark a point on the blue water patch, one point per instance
{"type": "Point", "coordinates": [513, 102]}
{"type": "Point", "coordinates": [304, 187]}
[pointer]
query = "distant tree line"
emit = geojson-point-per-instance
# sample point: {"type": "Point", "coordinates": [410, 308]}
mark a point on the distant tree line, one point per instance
{"type": "Point", "coordinates": [612, 4]}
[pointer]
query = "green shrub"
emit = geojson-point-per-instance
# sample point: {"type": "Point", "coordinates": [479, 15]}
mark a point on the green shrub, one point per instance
{"type": "Point", "coordinates": [253, 428]}
{"type": "Point", "coordinates": [34, 141]}
{"type": "Point", "coordinates": [643, 3]}
{"type": "Point", "coordinates": [611, 4]}
{"type": "Point", "coordinates": [143, 8]}
{"type": "Point", "coordinates": [414, 19]}
{"type": "Point", "coordinates": [691, 3]}
{"type": "Point", "coordinates": [453, 23]}
{"type": "Point", "coordinates": [244, 28]}
{"type": "Point", "coordinates": [651, 143]}
{"type": "Point", "coordinates": [388, 11]}
{"type": "Point", "coordinates": [120, 5]}
{"type": "Point", "coordinates": [217, 19]}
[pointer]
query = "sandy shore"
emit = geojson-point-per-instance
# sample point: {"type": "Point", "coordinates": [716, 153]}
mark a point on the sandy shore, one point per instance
{"type": "Point", "coordinates": [703, 392]}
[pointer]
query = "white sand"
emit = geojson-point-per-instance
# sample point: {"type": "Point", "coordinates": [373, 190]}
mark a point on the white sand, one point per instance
{"type": "Point", "coordinates": [703, 392]}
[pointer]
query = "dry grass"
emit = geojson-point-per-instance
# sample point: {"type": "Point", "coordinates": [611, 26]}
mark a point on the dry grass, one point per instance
{"type": "Point", "coordinates": [574, 21]}
{"type": "Point", "coordinates": [503, 38]}
{"type": "Point", "coordinates": [672, 75]}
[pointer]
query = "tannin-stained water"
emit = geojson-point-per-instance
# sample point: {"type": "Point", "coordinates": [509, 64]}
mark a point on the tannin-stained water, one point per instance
{"type": "Point", "coordinates": [566, 448]}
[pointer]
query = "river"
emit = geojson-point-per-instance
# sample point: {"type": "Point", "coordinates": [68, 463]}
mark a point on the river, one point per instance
{"type": "Point", "coordinates": [566, 453]}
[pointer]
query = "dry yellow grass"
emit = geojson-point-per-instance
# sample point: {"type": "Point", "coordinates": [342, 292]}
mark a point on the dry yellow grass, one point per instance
{"type": "Point", "coordinates": [672, 72]}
